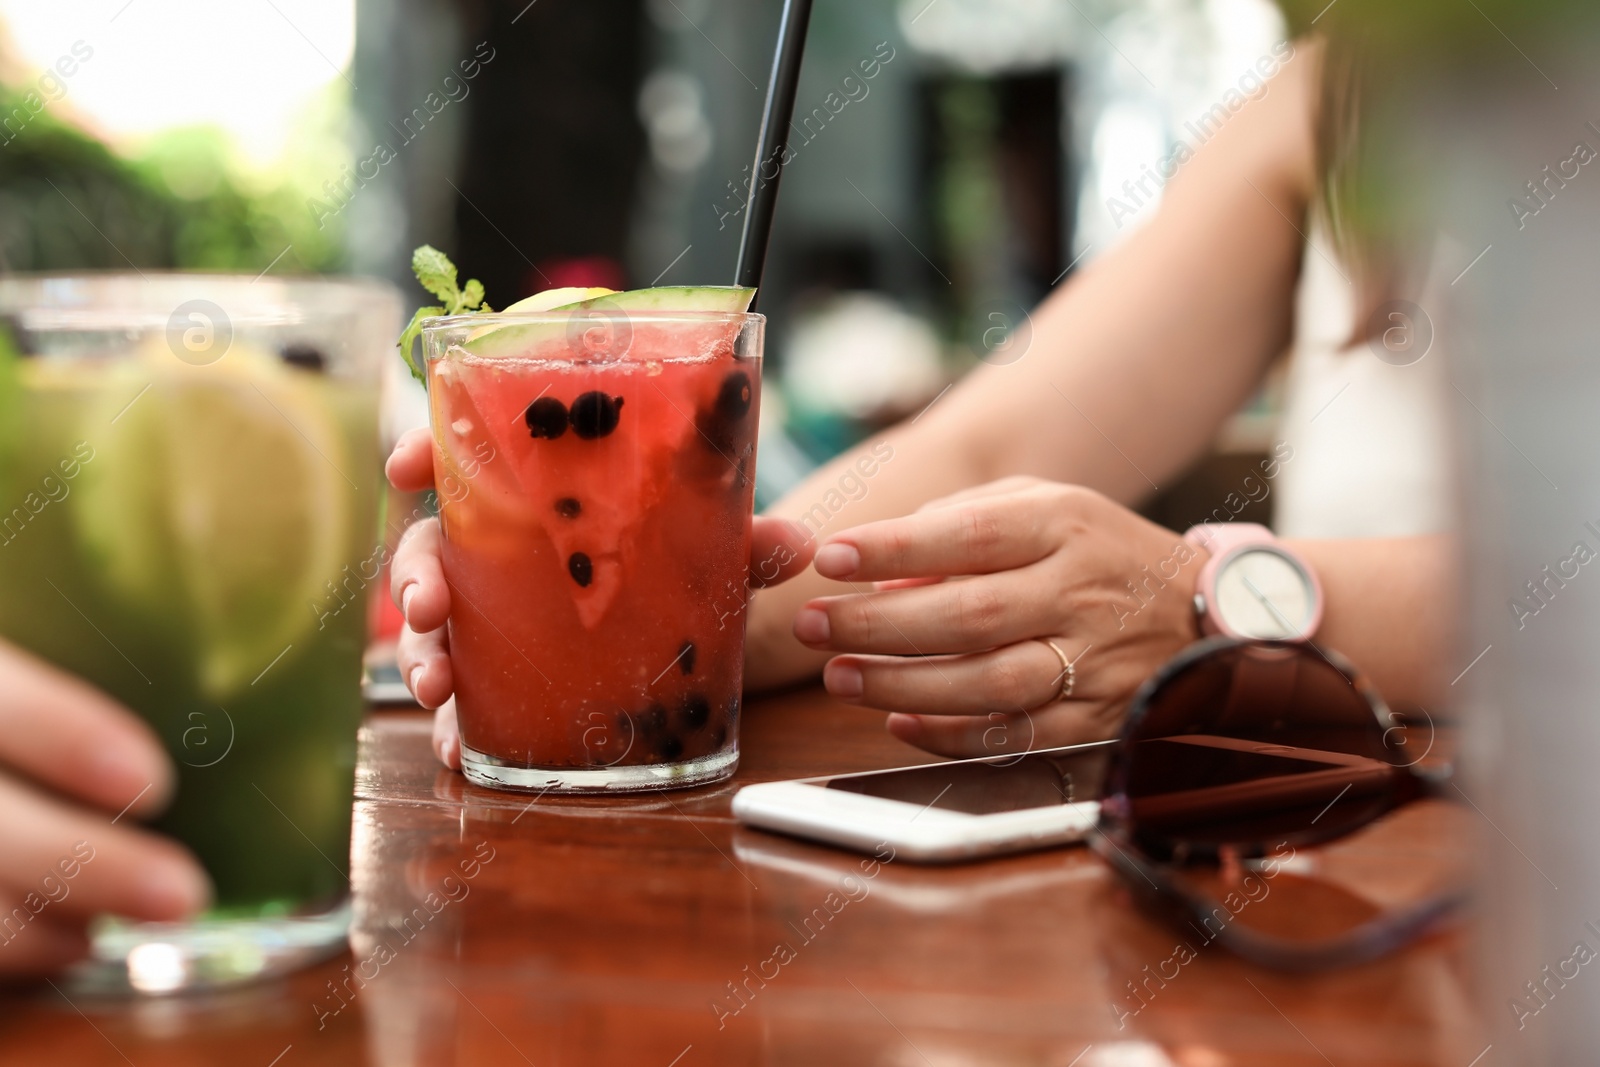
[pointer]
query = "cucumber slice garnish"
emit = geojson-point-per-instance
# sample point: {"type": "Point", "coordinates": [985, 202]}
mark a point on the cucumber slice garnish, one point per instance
{"type": "Point", "coordinates": [513, 339]}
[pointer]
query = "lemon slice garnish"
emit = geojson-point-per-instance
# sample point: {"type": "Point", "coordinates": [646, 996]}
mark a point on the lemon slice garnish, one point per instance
{"type": "Point", "coordinates": [218, 491]}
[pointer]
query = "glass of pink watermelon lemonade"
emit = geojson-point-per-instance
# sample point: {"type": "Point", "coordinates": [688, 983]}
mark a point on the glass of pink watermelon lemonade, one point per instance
{"type": "Point", "coordinates": [595, 467]}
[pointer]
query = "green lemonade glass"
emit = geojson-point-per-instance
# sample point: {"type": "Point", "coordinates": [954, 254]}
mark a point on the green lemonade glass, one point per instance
{"type": "Point", "coordinates": [189, 494]}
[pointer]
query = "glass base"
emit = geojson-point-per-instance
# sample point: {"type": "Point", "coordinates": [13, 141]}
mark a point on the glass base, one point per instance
{"type": "Point", "coordinates": [493, 773]}
{"type": "Point", "coordinates": [133, 959]}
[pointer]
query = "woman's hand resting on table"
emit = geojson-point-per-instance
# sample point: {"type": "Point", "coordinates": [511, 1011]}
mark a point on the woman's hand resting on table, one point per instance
{"type": "Point", "coordinates": [76, 771]}
{"type": "Point", "coordinates": [418, 585]}
{"type": "Point", "coordinates": [956, 602]}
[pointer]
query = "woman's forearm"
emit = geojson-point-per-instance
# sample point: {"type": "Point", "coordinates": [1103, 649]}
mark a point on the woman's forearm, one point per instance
{"type": "Point", "coordinates": [1390, 606]}
{"type": "Point", "coordinates": [1130, 368]}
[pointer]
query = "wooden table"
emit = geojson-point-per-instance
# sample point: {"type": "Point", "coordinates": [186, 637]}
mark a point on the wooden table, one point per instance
{"type": "Point", "coordinates": [654, 931]}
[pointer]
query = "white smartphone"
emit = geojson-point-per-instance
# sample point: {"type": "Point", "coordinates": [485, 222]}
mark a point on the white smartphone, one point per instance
{"type": "Point", "coordinates": [941, 812]}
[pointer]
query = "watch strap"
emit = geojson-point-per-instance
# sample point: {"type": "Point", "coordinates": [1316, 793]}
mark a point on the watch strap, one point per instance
{"type": "Point", "coordinates": [1220, 538]}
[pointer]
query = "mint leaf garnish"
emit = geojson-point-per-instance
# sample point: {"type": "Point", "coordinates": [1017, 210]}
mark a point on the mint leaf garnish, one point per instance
{"type": "Point", "coordinates": [435, 271]}
{"type": "Point", "coordinates": [438, 275]}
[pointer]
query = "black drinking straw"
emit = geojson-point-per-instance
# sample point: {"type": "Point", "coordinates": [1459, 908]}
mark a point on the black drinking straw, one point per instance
{"type": "Point", "coordinates": [772, 145]}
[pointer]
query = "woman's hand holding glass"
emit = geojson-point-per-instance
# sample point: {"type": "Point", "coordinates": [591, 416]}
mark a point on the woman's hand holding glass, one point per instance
{"type": "Point", "coordinates": [77, 770]}
{"type": "Point", "coordinates": [779, 549]}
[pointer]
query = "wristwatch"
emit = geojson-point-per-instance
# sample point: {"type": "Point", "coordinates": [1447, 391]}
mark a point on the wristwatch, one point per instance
{"type": "Point", "coordinates": [1253, 585]}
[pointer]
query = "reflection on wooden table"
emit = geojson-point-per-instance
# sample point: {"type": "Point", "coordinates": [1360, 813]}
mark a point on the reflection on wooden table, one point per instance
{"type": "Point", "coordinates": [652, 930]}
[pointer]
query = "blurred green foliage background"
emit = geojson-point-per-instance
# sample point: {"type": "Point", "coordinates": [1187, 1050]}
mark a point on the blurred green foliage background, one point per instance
{"type": "Point", "coordinates": [68, 202]}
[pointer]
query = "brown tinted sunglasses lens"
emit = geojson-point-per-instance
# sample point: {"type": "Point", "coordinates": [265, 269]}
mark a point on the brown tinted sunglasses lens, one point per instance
{"type": "Point", "coordinates": [1338, 902]}
{"type": "Point", "coordinates": [1252, 744]}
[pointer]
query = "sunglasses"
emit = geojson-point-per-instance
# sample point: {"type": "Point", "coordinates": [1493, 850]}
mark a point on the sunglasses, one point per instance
{"type": "Point", "coordinates": [1237, 757]}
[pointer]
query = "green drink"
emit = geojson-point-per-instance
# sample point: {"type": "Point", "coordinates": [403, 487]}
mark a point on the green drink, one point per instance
{"type": "Point", "coordinates": [189, 486]}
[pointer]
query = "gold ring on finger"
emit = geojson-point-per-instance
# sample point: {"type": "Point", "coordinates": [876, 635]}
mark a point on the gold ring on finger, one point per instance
{"type": "Point", "coordinates": [1069, 672]}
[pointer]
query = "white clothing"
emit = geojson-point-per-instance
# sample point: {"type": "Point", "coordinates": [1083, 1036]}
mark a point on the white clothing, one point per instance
{"type": "Point", "coordinates": [1371, 440]}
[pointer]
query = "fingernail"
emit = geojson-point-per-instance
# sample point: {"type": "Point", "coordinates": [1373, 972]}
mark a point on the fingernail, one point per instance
{"type": "Point", "coordinates": [811, 627]}
{"type": "Point", "coordinates": [844, 681]}
{"type": "Point", "coordinates": [171, 891]}
{"type": "Point", "coordinates": [414, 679]}
{"type": "Point", "coordinates": [837, 560]}
{"type": "Point", "coordinates": [405, 599]}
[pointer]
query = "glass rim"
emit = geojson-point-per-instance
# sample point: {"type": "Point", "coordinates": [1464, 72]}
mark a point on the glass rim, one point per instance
{"type": "Point", "coordinates": [109, 301]}
{"type": "Point", "coordinates": [563, 316]}
{"type": "Point", "coordinates": [361, 282]}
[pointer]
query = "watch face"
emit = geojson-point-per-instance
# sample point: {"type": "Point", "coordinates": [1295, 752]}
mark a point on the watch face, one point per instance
{"type": "Point", "coordinates": [1263, 594]}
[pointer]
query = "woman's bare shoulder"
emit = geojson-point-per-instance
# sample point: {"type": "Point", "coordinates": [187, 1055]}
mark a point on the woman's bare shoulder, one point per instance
{"type": "Point", "coordinates": [1270, 137]}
